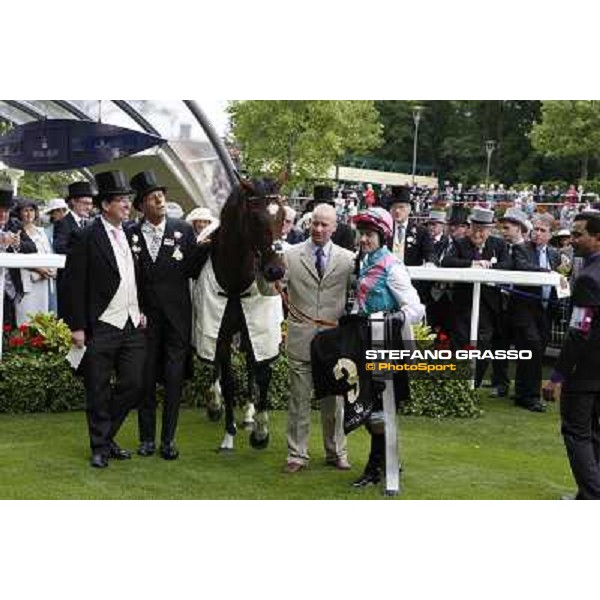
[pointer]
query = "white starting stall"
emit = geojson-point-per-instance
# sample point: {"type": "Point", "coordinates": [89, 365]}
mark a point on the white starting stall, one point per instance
{"type": "Point", "coordinates": [9, 260]}
{"type": "Point", "coordinates": [476, 276]}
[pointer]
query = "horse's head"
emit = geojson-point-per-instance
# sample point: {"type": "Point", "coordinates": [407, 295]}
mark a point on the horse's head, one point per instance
{"type": "Point", "coordinates": [265, 223]}
{"type": "Point", "coordinates": [249, 239]}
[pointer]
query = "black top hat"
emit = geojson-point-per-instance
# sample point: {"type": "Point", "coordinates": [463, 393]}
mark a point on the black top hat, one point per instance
{"type": "Point", "coordinates": [400, 194]}
{"type": "Point", "coordinates": [111, 183]}
{"type": "Point", "coordinates": [144, 183]}
{"type": "Point", "coordinates": [6, 198]}
{"type": "Point", "coordinates": [459, 215]}
{"type": "Point", "coordinates": [323, 194]}
{"type": "Point", "coordinates": [80, 189]}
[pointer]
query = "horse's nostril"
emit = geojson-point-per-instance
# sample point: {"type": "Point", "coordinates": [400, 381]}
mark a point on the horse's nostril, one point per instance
{"type": "Point", "coordinates": [274, 273]}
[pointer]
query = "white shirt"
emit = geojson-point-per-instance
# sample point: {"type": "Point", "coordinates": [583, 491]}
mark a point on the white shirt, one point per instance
{"type": "Point", "coordinates": [124, 304]}
{"type": "Point", "coordinates": [77, 218]}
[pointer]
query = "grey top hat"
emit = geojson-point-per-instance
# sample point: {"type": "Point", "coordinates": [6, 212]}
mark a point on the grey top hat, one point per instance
{"type": "Point", "coordinates": [481, 216]}
{"type": "Point", "coordinates": [437, 216]}
{"type": "Point", "coordinates": [516, 215]}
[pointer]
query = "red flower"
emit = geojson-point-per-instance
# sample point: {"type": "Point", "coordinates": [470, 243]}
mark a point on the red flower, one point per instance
{"type": "Point", "coordinates": [37, 342]}
{"type": "Point", "coordinates": [24, 328]}
{"type": "Point", "coordinates": [7, 328]}
{"type": "Point", "coordinates": [16, 342]}
{"type": "Point", "coordinates": [442, 337]}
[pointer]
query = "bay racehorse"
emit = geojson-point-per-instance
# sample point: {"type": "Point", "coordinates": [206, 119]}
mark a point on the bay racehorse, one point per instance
{"type": "Point", "coordinates": [233, 294]}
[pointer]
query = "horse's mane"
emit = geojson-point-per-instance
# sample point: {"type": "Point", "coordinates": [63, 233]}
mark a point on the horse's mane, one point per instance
{"type": "Point", "coordinates": [231, 251]}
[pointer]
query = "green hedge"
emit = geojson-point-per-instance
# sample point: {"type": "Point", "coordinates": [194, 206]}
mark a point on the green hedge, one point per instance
{"type": "Point", "coordinates": [45, 383]}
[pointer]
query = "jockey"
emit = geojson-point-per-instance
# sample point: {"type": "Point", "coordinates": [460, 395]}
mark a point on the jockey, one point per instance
{"type": "Point", "coordinates": [383, 286]}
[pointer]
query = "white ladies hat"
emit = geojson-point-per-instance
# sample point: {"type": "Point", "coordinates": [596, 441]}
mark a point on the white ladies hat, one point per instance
{"type": "Point", "coordinates": [55, 204]}
{"type": "Point", "coordinates": [201, 214]}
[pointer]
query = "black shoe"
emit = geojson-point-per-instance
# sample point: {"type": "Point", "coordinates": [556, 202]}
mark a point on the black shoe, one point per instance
{"type": "Point", "coordinates": [535, 406]}
{"type": "Point", "coordinates": [118, 453]}
{"type": "Point", "coordinates": [499, 392]}
{"type": "Point", "coordinates": [147, 449]}
{"type": "Point", "coordinates": [99, 461]}
{"type": "Point", "coordinates": [369, 477]}
{"type": "Point", "coordinates": [169, 451]}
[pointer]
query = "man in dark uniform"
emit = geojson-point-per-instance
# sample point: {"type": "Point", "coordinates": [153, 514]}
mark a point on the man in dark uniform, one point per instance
{"type": "Point", "coordinates": [577, 369]}
{"type": "Point", "coordinates": [10, 241]}
{"type": "Point", "coordinates": [103, 309]}
{"type": "Point", "coordinates": [167, 256]}
{"type": "Point", "coordinates": [479, 250]}
{"type": "Point", "coordinates": [79, 199]}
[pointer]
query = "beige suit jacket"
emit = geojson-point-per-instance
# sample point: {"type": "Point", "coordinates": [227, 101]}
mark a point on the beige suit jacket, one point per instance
{"type": "Point", "coordinates": [319, 299]}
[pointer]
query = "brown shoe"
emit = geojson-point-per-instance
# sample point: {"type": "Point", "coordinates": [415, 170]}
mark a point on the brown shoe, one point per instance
{"type": "Point", "coordinates": [293, 467]}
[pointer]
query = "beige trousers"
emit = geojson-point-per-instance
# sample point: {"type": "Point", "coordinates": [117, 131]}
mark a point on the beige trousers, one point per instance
{"type": "Point", "coordinates": [332, 417]}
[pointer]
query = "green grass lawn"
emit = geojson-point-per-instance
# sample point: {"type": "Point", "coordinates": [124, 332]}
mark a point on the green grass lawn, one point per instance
{"type": "Point", "coordinates": [509, 453]}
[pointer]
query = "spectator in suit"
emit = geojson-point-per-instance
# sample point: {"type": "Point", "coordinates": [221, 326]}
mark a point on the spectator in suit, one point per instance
{"type": "Point", "coordinates": [411, 243]}
{"type": "Point", "coordinates": [479, 249]}
{"type": "Point", "coordinates": [79, 198]}
{"type": "Point", "coordinates": [103, 310]}
{"type": "Point", "coordinates": [319, 275]}
{"type": "Point", "coordinates": [529, 306]}
{"type": "Point", "coordinates": [343, 235]}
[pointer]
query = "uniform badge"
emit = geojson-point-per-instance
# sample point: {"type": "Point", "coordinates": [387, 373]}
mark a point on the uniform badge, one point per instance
{"type": "Point", "coordinates": [169, 242]}
{"type": "Point", "coordinates": [177, 255]}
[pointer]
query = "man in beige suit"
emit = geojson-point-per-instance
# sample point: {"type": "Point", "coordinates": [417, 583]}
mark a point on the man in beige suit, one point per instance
{"type": "Point", "coordinates": [319, 274]}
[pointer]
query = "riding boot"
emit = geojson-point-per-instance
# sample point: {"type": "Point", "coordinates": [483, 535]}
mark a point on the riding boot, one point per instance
{"type": "Point", "coordinates": [373, 472]}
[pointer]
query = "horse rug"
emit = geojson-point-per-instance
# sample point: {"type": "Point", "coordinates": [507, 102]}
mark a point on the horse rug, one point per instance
{"type": "Point", "coordinates": [263, 316]}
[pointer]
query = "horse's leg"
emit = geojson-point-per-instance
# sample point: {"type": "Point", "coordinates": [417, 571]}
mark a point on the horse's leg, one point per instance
{"type": "Point", "coordinates": [223, 359]}
{"type": "Point", "coordinates": [214, 406]}
{"type": "Point", "coordinates": [249, 410]}
{"type": "Point", "coordinates": [259, 438]}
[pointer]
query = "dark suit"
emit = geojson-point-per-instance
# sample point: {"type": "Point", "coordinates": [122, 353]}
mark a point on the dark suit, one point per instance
{"type": "Point", "coordinates": [165, 290]}
{"type": "Point", "coordinates": [437, 296]}
{"type": "Point", "coordinates": [461, 255]}
{"type": "Point", "coordinates": [91, 280]}
{"type": "Point", "coordinates": [579, 367]}
{"type": "Point", "coordinates": [61, 242]}
{"type": "Point", "coordinates": [26, 247]}
{"type": "Point", "coordinates": [344, 236]}
{"type": "Point", "coordinates": [418, 245]}
{"type": "Point", "coordinates": [530, 321]}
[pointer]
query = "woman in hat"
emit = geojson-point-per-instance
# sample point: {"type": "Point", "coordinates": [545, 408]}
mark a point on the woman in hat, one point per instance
{"type": "Point", "coordinates": [39, 282]}
{"type": "Point", "coordinates": [383, 285]}
{"type": "Point", "coordinates": [203, 222]}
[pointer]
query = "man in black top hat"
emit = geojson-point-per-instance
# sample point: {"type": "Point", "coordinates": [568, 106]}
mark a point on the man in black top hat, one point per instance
{"type": "Point", "coordinates": [577, 369]}
{"type": "Point", "coordinates": [168, 257]}
{"type": "Point", "coordinates": [80, 200]}
{"type": "Point", "coordinates": [411, 242]}
{"type": "Point", "coordinates": [103, 308]}
{"type": "Point", "coordinates": [11, 241]}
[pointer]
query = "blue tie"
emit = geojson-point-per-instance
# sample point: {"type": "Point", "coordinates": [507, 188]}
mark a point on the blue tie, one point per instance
{"type": "Point", "coordinates": [319, 261]}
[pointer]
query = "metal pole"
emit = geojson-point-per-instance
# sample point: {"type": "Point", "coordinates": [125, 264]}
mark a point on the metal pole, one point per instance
{"type": "Point", "coordinates": [490, 146]}
{"type": "Point", "coordinates": [416, 118]}
{"type": "Point", "coordinates": [475, 321]}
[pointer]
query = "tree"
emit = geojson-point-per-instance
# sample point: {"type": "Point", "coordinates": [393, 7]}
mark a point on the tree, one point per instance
{"type": "Point", "coordinates": [298, 141]}
{"type": "Point", "coordinates": [569, 128]}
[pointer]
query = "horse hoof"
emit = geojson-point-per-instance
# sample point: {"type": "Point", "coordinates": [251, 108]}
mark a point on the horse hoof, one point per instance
{"type": "Point", "coordinates": [259, 443]}
{"type": "Point", "coordinates": [214, 415]}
